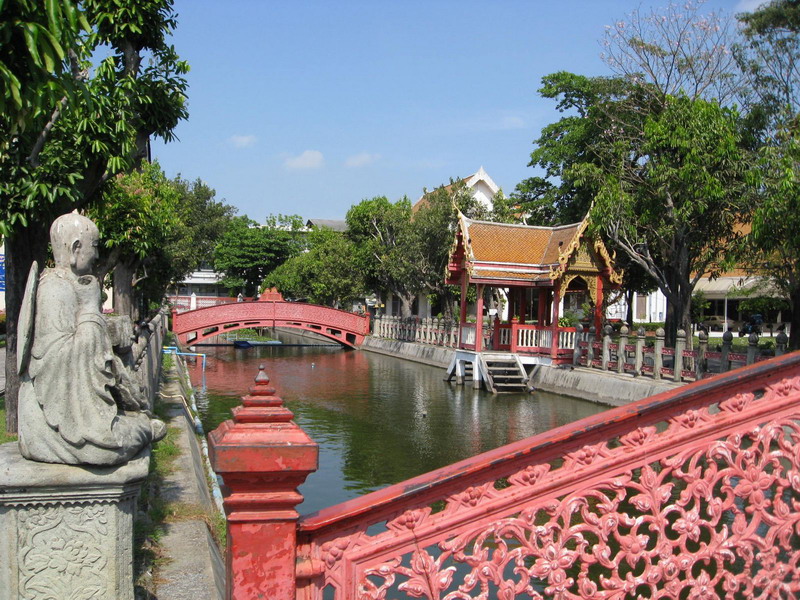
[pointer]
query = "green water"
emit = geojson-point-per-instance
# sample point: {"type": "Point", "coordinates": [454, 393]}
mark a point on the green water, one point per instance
{"type": "Point", "coordinates": [378, 419]}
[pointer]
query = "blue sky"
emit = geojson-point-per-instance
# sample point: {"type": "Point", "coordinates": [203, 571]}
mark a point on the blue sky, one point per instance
{"type": "Point", "coordinates": [308, 107]}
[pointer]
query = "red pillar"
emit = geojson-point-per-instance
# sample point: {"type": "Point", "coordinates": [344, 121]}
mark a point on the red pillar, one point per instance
{"type": "Point", "coordinates": [598, 307]}
{"type": "Point", "coordinates": [521, 298]}
{"type": "Point", "coordinates": [463, 313]}
{"type": "Point", "coordinates": [514, 323]}
{"type": "Point", "coordinates": [479, 320]}
{"type": "Point", "coordinates": [554, 324]}
{"type": "Point", "coordinates": [263, 457]}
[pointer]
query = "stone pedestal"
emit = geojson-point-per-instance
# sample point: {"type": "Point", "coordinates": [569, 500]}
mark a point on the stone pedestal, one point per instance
{"type": "Point", "coordinates": [67, 531]}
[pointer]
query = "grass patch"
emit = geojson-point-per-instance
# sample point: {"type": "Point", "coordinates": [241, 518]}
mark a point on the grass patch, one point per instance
{"type": "Point", "coordinates": [149, 527]}
{"type": "Point", "coordinates": [184, 511]}
{"type": "Point", "coordinates": [4, 435]}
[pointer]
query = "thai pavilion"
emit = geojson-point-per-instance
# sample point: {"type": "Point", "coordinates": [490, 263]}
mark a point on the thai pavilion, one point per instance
{"type": "Point", "coordinates": [544, 272]}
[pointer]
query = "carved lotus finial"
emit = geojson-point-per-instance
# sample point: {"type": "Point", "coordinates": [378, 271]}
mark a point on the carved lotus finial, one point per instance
{"type": "Point", "coordinates": [262, 378]}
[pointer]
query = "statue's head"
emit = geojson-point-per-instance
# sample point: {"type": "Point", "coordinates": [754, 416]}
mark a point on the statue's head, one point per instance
{"type": "Point", "coordinates": [75, 240]}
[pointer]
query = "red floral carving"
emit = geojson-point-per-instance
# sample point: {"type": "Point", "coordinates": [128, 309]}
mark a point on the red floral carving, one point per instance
{"type": "Point", "coordinates": [714, 519]}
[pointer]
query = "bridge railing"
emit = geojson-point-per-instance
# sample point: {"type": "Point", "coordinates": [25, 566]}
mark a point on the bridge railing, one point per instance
{"type": "Point", "coordinates": [641, 355]}
{"type": "Point", "coordinates": [202, 324]}
{"type": "Point", "coordinates": [690, 493]}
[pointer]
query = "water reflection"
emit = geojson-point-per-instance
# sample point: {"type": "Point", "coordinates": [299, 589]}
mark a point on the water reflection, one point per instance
{"type": "Point", "coordinates": [378, 419]}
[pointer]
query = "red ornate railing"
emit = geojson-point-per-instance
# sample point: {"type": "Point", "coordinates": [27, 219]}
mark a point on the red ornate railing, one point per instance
{"type": "Point", "coordinates": [694, 493]}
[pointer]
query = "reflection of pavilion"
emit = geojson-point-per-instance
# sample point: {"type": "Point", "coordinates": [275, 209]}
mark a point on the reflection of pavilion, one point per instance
{"type": "Point", "coordinates": [540, 268]}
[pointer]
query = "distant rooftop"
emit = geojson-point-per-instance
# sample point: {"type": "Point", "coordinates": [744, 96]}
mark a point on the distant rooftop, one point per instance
{"type": "Point", "coordinates": [335, 224]}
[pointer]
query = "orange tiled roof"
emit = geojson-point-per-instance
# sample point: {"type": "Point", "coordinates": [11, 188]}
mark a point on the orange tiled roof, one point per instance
{"type": "Point", "coordinates": [513, 253]}
{"type": "Point", "coordinates": [517, 244]}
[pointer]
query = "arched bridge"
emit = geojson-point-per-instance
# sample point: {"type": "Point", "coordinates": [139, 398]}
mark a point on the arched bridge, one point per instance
{"type": "Point", "coordinates": [196, 326]}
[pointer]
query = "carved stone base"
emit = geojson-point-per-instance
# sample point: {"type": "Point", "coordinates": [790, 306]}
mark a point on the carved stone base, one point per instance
{"type": "Point", "coordinates": [67, 531]}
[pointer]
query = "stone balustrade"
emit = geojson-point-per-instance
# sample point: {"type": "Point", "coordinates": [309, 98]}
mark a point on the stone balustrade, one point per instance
{"type": "Point", "coordinates": [432, 331]}
{"type": "Point", "coordinates": [642, 355]}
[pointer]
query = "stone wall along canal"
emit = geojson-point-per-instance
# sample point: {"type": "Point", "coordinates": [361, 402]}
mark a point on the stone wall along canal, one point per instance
{"type": "Point", "coordinates": [378, 419]}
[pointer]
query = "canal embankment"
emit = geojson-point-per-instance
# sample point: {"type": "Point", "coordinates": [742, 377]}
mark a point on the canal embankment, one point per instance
{"type": "Point", "coordinates": [596, 386]}
{"type": "Point", "coordinates": [578, 382]}
{"type": "Point", "coordinates": [436, 356]}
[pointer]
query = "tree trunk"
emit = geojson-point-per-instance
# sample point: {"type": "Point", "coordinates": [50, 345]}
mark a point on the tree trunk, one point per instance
{"type": "Point", "coordinates": [448, 299]}
{"type": "Point", "coordinates": [670, 324]}
{"type": "Point", "coordinates": [24, 246]}
{"type": "Point", "coordinates": [124, 303]}
{"type": "Point", "coordinates": [794, 324]}
{"type": "Point", "coordinates": [630, 298]}
{"type": "Point", "coordinates": [406, 302]}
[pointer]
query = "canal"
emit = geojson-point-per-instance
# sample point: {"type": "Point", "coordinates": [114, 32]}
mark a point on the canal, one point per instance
{"type": "Point", "coordinates": [378, 419]}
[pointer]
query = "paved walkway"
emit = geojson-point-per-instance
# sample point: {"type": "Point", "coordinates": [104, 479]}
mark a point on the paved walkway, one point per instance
{"type": "Point", "coordinates": [194, 569]}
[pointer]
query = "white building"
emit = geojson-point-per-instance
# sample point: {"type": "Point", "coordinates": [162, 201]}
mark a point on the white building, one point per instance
{"type": "Point", "coordinates": [483, 189]}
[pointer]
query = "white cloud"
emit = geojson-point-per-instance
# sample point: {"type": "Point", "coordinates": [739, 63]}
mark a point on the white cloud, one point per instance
{"type": "Point", "coordinates": [310, 159]}
{"type": "Point", "coordinates": [361, 160]}
{"type": "Point", "coordinates": [242, 141]}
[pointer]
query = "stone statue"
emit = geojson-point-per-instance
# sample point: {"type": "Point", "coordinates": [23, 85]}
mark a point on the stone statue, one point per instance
{"type": "Point", "coordinates": [78, 403]}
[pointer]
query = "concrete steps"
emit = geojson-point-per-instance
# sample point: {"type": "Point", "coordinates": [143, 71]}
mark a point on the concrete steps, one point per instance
{"type": "Point", "coordinates": [504, 373]}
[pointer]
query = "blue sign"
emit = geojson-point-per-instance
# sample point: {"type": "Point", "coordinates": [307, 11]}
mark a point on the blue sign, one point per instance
{"type": "Point", "coordinates": [2, 272]}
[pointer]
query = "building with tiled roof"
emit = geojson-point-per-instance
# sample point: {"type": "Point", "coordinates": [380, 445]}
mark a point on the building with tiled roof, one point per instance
{"type": "Point", "coordinates": [482, 187]}
{"type": "Point", "coordinates": [544, 269]}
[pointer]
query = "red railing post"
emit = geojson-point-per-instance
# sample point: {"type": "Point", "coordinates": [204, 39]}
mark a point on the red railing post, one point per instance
{"type": "Point", "coordinates": [262, 457]}
{"type": "Point", "coordinates": [514, 329]}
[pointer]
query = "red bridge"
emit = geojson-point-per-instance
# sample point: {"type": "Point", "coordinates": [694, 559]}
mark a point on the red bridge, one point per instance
{"type": "Point", "coordinates": [271, 310]}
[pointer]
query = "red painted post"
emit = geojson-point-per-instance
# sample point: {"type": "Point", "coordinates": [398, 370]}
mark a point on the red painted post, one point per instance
{"type": "Point", "coordinates": [554, 324]}
{"type": "Point", "coordinates": [263, 457]}
{"type": "Point", "coordinates": [479, 320]}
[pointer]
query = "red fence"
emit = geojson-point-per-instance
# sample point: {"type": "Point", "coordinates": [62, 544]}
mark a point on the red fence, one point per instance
{"type": "Point", "coordinates": [694, 493]}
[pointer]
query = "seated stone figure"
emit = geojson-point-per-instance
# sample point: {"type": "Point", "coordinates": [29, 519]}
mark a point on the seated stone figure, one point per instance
{"type": "Point", "coordinates": [76, 404]}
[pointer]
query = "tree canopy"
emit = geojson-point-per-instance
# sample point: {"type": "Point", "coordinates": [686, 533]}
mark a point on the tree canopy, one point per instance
{"type": "Point", "coordinates": [327, 273]}
{"type": "Point", "coordinates": [80, 104]}
{"type": "Point", "coordinates": [248, 252]}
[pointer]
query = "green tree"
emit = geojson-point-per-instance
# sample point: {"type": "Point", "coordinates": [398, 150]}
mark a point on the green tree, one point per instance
{"type": "Point", "coordinates": [248, 252]}
{"type": "Point", "coordinates": [667, 166]}
{"type": "Point", "coordinates": [674, 210]}
{"type": "Point", "coordinates": [155, 232]}
{"type": "Point", "coordinates": [432, 233]}
{"type": "Point", "coordinates": [327, 273]}
{"type": "Point", "coordinates": [770, 57]}
{"type": "Point", "coordinates": [139, 224]}
{"type": "Point", "coordinates": [71, 127]}
{"type": "Point", "coordinates": [558, 198]}
{"type": "Point", "coordinates": [773, 245]}
{"type": "Point", "coordinates": [381, 231]}
{"type": "Point", "coordinates": [205, 220]}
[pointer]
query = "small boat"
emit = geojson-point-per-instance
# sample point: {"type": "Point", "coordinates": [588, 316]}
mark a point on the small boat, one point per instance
{"type": "Point", "coordinates": [251, 343]}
